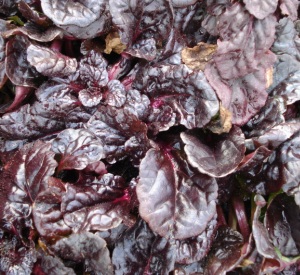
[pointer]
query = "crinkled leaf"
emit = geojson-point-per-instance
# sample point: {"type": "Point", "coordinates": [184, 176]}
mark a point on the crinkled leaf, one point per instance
{"type": "Point", "coordinates": [243, 44]}
{"type": "Point", "coordinates": [52, 265]}
{"type": "Point", "coordinates": [217, 157]}
{"type": "Point", "coordinates": [212, 18]}
{"type": "Point", "coordinates": [225, 252]}
{"type": "Point", "coordinates": [186, 206]}
{"type": "Point", "coordinates": [77, 148]}
{"type": "Point", "coordinates": [23, 124]}
{"type": "Point", "coordinates": [137, 104]}
{"type": "Point", "coordinates": [269, 116]}
{"type": "Point", "coordinates": [25, 176]}
{"type": "Point", "coordinates": [145, 48]}
{"type": "Point", "coordinates": [139, 251]}
{"type": "Point", "coordinates": [108, 188]}
{"type": "Point", "coordinates": [289, 89]}
{"type": "Point", "coordinates": [121, 133]}
{"type": "Point", "coordinates": [286, 37]}
{"type": "Point", "coordinates": [141, 19]}
{"type": "Point", "coordinates": [277, 135]}
{"type": "Point", "coordinates": [14, 257]}
{"type": "Point", "coordinates": [282, 222]}
{"type": "Point", "coordinates": [88, 248]}
{"type": "Point", "coordinates": [261, 8]}
{"type": "Point", "coordinates": [196, 248]}
{"type": "Point", "coordinates": [100, 217]}
{"type": "Point", "coordinates": [49, 62]}
{"type": "Point", "coordinates": [92, 69]}
{"type": "Point", "coordinates": [47, 216]}
{"type": "Point", "coordinates": [116, 95]}
{"type": "Point", "coordinates": [82, 19]}
{"type": "Point", "coordinates": [289, 162]}
{"type": "Point", "coordinates": [187, 92]}
{"type": "Point", "coordinates": [35, 33]}
{"type": "Point", "coordinates": [18, 69]}
{"type": "Point", "coordinates": [244, 96]}
{"type": "Point", "coordinates": [90, 97]}
{"type": "Point", "coordinates": [289, 7]}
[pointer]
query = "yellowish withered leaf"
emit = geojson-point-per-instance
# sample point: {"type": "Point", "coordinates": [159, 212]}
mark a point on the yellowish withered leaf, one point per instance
{"type": "Point", "coordinates": [197, 57]}
{"type": "Point", "coordinates": [113, 43]}
{"type": "Point", "coordinates": [223, 123]}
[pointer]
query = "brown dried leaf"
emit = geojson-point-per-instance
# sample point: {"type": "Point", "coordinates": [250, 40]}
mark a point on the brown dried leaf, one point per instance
{"type": "Point", "coordinates": [197, 57]}
{"type": "Point", "coordinates": [269, 77]}
{"type": "Point", "coordinates": [223, 123]}
{"type": "Point", "coordinates": [113, 43]}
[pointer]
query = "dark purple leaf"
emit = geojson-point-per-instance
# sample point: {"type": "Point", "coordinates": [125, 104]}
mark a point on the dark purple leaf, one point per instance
{"type": "Point", "coordinates": [137, 104]}
{"type": "Point", "coordinates": [121, 133]}
{"type": "Point", "coordinates": [92, 70]}
{"type": "Point", "coordinates": [8, 7]}
{"type": "Point", "coordinates": [21, 93]}
{"type": "Point", "coordinates": [141, 19]}
{"type": "Point", "coordinates": [23, 124]}
{"type": "Point", "coordinates": [132, 251]}
{"type": "Point", "coordinates": [289, 88]}
{"type": "Point", "coordinates": [261, 9]}
{"type": "Point", "coordinates": [108, 188]}
{"type": "Point", "coordinates": [263, 243]}
{"type": "Point", "coordinates": [183, 3]}
{"type": "Point", "coordinates": [90, 97]}
{"type": "Point", "coordinates": [78, 148]}
{"type": "Point", "coordinates": [88, 248]}
{"type": "Point", "coordinates": [49, 62]}
{"type": "Point", "coordinates": [35, 33]}
{"type": "Point", "coordinates": [214, 10]}
{"type": "Point", "coordinates": [289, 166]}
{"type": "Point", "coordinates": [24, 177]}
{"type": "Point", "coordinates": [245, 96]}
{"type": "Point", "coordinates": [187, 92]}
{"type": "Point", "coordinates": [217, 157]}
{"type": "Point", "coordinates": [269, 116]}
{"type": "Point", "coordinates": [196, 248]}
{"type": "Point", "coordinates": [52, 265]}
{"type": "Point", "coordinates": [112, 236]}
{"type": "Point", "coordinates": [18, 69]}
{"type": "Point", "coordinates": [186, 206]}
{"type": "Point", "coordinates": [242, 45]}
{"type": "Point", "coordinates": [139, 251]}
{"type": "Point", "coordinates": [225, 252]}
{"type": "Point", "coordinates": [277, 135]}
{"type": "Point", "coordinates": [100, 217]}
{"type": "Point", "coordinates": [145, 48]}
{"type": "Point", "coordinates": [282, 221]}
{"type": "Point", "coordinates": [31, 14]}
{"type": "Point", "coordinates": [289, 7]}
{"type": "Point", "coordinates": [286, 38]}
{"type": "Point", "coordinates": [47, 217]}
{"type": "Point", "coordinates": [81, 19]}
{"type": "Point", "coordinates": [116, 95]}
{"type": "Point", "coordinates": [14, 257]}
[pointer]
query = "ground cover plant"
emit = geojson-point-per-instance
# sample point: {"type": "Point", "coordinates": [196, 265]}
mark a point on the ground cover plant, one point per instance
{"type": "Point", "coordinates": [149, 137]}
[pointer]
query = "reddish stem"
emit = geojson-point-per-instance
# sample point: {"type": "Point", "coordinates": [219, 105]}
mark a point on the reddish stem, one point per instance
{"type": "Point", "coordinates": [239, 208]}
{"type": "Point", "coordinates": [221, 217]}
{"type": "Point", "coordinates": [56, 45]}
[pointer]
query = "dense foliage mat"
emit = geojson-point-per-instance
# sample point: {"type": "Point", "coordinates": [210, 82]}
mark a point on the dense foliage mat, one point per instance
{"type": "Point", "coordinates": [149, 137]}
